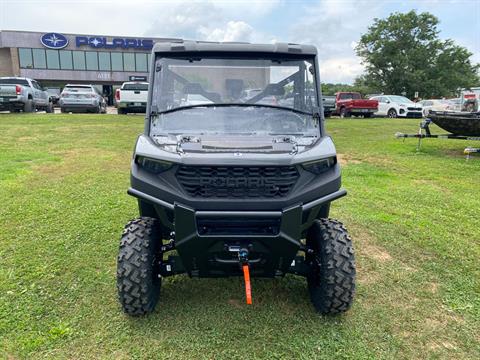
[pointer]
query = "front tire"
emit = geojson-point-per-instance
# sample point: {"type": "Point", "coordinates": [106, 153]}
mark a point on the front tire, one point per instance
{"type": "Point", "coordinates": [138, 283]}
{"type": "Point", "coordinates": [344, 113]}
{"type": "Point", "coordinates": [392, 113]}
{"type": "Point", "coordinates": [331, 279]}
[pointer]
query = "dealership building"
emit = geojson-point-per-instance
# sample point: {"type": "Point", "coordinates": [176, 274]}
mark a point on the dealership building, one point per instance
{"type": "Point", "coordinates": [55, 59]}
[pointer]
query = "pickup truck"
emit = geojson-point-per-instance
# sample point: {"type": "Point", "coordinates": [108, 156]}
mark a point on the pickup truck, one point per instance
{"type": "Point", "coordinates": [132, 97]}
{"type": "Point", "coordinates": [351, 103]}
{"type": "Point", "coordinates": [23, 94]}
{"type": "Point", "coordinates": [328, 105]}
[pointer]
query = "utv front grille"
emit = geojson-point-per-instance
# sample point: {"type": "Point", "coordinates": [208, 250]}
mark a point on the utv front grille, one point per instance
{"type": "Point", "coordinates": [237, 181]}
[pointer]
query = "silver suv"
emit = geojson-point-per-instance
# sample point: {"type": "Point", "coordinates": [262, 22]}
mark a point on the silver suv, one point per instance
{"type": "Point", "coordinates": [82, 98]}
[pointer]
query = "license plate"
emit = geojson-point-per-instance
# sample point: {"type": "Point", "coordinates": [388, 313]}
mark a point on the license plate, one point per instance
{"type": "Point", "coordinates": [364, 110]}
{"type": "Point", "coordinates": [137, 104]}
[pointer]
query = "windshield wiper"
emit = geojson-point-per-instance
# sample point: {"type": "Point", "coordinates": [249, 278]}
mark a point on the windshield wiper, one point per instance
{"type": "Point", "coordinates": [186, 107]}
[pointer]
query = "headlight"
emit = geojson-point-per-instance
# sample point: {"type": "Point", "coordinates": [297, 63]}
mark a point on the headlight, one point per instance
{"type": "Point", "coordinates": [153, 165]}
{"type": "Point", "coordinates": [320, 166]}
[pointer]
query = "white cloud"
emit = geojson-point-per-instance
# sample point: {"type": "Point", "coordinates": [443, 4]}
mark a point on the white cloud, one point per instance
{"type": "Point", "coordinates": [340, 70]}
{"type": "Point", "coordinates": [233, 31]}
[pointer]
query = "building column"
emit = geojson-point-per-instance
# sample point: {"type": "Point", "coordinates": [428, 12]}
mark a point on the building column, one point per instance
{"type": "Point", "coordinates": [15, 61]}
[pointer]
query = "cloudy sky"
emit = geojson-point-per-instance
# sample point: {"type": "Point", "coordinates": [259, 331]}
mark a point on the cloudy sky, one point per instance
{"type": "Point", "coordinates": [333, 26]}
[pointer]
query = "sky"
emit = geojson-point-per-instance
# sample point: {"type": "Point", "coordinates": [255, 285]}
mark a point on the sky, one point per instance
{"type": "Point", "coordinates": [333, 26]}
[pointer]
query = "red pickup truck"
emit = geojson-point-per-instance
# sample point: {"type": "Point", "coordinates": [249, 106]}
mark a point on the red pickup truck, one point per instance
{"type": "Point", "coordinates": [351, 103]}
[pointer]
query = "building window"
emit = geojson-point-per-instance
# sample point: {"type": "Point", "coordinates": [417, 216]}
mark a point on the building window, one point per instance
{"type": "Point", "coordinates": [104, 61]}
{"type": "Point", "coordinates": [92, 60]}
{"type": "Point", "coordinates": [149, 58]}
{"type": "Point", "coordinates": [25, 56]}
{"type": "Point", "coordinates": [52, 59]}
{"type": "Point", "coordinates": [39, 60]}
{"type": "Point", "coordinates": [117, 61]}
{"type": "Point", "coordinates": [128, 62]}
{"type": "Point", "coordinates": [141, 62]}
{"type": "Point", "coordinates": [78, 60]}
{"type": "Point", "coordinates": [66, 60]}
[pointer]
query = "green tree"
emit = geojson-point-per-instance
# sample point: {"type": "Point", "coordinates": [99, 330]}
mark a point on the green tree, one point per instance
{"type": "Point", "coordinates": [403, 54]}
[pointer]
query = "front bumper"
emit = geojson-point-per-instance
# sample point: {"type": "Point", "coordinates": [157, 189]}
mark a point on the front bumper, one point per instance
{"type": "Point", "coordinates": [139, 106]}
{"type": "Point", "coordinates": [207, 242]}
{"type": "Point", "coordinates": [362, 111]}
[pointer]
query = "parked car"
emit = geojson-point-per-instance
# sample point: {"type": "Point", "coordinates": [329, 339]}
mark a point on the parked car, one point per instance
{"type": "Point", "coordinates": [328, 105]}
{"type": "Point", "coordinates": [470, 99]}
{"type": "Point", "coordinates": [435, 105]}
{"type": "Point", "coordinates": [455, 104]}
{"type": "Point", "coordinates": [82, 98]}
{"type": "Point", "coordinates": [132, 97]}
{"type": "Point", "coordinates": [351, 103]}
{"type": "Point", "coordinates": [23, 94]}
{"type": "Point", "coordinates": [397, 106]}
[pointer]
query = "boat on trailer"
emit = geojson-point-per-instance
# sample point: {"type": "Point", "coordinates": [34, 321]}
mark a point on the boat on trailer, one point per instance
{"type": "Point", "coordinates": [460, 125]}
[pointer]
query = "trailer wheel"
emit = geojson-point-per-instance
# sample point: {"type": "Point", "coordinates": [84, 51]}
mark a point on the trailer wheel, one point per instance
{"type": "Point", "coordinates": [331, 279]}
{"type": "Point", "coordinates": [392, 113]}
{"type": "Point", "coordinates": [138, 283]}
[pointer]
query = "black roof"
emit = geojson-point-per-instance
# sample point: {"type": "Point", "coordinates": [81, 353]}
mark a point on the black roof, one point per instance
{"type": "Point", "coordinates": [207, 46]}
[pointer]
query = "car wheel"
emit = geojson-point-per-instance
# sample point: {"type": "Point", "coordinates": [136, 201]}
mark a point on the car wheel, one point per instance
{"type": "Point", "coordinates": [392, 113]}
{"type": "Point", "coordinates": [49, 108]}
{"type": "Point", "coordinates": [138, 283]}
{"type": "Point", "coordinates": [344, 113]}
{"type": "Point", "coordinates": [28, 107]}
{"type": "Point", "coordinates": [121, 111]}
{"type": "Point", "coordinates": [367, 115]}
{"type": "Point", "coordinates": [331, 277]}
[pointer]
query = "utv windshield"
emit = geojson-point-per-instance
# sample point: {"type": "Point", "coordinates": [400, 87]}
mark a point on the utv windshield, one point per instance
{"type": "Point", "coordinates": [234, 96]}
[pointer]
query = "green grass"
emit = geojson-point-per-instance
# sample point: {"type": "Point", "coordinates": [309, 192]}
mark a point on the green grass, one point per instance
{"type": "Point", "coordinates": [413, 217]}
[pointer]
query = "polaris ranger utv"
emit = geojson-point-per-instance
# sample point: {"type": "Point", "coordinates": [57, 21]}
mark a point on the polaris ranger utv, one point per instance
{"type": "Point", "coordinates": [234, 175]}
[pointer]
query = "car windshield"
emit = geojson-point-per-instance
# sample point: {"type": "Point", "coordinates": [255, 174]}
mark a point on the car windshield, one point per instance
{"type": "Point", "coordinates": [139, 86]}
{"type": "Point", "coordinates": [14, 81]}
{"type": "Point", "coordinates": [400, 99]}
{"type": "Point", "coordinates": [78, 89]}
{"type": "Point", "coordinates": [259, 95]}
{"type": "Point", "coordinates": [234, 120]}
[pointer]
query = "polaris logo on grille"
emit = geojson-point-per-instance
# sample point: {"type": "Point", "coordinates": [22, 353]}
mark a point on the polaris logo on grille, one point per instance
{"type": "Point", "coordinates": [238, 182]}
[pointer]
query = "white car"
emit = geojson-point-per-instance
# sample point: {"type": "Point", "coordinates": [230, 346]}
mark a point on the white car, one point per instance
{"type": "Point", "coordinates": [132, 97]}
{"type": "Point", "coordinates": [82, 98]}
{"type": "Point", "coordinates": [397, 106]}
{"type": "Point", "coordinates": [436, 105]}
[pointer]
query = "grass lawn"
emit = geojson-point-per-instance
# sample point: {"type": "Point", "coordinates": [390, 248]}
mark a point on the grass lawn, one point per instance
{"type": "Point", "coordinates": [413, 217]}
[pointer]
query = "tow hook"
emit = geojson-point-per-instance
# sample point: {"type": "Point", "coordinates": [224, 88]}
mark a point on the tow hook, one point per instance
{"type": "Point", "coordinates": [243, 260]}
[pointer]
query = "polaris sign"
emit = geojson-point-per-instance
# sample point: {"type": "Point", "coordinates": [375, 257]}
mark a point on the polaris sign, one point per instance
{"type": "Point", "coordinates": [54, 41]}
{"type": "Point", "coordinates": [123, 43]}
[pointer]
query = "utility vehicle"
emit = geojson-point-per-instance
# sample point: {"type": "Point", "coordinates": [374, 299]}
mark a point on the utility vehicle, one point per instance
{"type": "Point", "coordinates": [234, 186]}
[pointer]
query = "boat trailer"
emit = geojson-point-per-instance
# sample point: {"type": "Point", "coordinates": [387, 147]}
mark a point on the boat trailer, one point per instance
{"type": "Point", "coordinates": [424, 132]}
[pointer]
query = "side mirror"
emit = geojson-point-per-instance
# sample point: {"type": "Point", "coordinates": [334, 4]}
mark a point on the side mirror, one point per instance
{"type": "Point", "coordinates": [388, 101]}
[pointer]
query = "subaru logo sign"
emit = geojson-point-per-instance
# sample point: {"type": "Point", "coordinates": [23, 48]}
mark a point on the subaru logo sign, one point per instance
{"type": "Point", "coordinates": [54, 41]}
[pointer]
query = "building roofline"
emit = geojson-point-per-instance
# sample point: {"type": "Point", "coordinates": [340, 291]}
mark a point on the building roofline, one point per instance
{"type": "Point", "coordinates": [209, 46]}
{"type": "Point", "coordinates": [174, 40]}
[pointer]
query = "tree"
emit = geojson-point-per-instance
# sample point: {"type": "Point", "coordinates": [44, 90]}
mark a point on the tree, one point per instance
{"type": "Point", "coordinates": [403, 54]}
